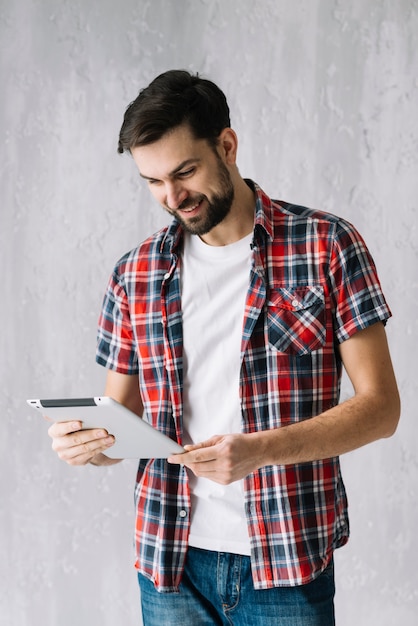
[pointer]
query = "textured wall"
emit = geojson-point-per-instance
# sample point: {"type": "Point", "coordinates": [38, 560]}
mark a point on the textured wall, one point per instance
{"type": "Point", "coordinates": [323, 95]}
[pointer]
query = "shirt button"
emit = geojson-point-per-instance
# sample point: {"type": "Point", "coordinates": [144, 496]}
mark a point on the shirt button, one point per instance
{"type": "Point", "coordinates": [166, 276]}
{"type": "Point", "coordinates": [295, 303]}
{"type": "Point", "coordinates": [183, 513]}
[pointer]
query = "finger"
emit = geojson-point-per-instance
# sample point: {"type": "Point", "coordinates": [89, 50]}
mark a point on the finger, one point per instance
{"type": "Point", "coordinates": [182, 458]}
{"type": "Point", "coordinates": [176, 458]}
{"type": "Point", "coordinates": [94, 438]}
{"type": "Point", "coordinates": [208, 443]}
{"type": "Point", "coordinates": [59, 429]}
{"type": "Point", "coordinates": [200, 455]}
{"type": "Point", "coordinates": [83, 459]}
{"type": "Point", "coordinates": [93, 435]}
{"type": "Point", "coordinates": [82, 452]}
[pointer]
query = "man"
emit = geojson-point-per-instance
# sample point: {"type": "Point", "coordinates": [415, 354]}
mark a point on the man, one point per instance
{"type": "Point", "coordinates": [228, 330]}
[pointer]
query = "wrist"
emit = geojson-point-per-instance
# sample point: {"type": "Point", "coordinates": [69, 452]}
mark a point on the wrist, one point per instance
{"type": "Point", "coordinates": [274, 446]}
{"type": "Point", "coordinates": [263, 447]}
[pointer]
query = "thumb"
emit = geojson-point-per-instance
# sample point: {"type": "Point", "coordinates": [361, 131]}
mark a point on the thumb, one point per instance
{"type": "Point", "coordinates": [208, 443]}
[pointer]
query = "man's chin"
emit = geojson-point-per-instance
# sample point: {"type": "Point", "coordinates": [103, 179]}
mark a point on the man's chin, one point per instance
{"type": "Point", "coordinates": [194, 225]}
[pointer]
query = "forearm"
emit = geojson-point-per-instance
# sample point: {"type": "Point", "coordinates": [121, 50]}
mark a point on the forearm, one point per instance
{"type": "Point", "coordinates": [371, 414]}
{"type": "Point", "coordinates": [354, 423]}
{"type": "Point", "coordinates": [346, 427]}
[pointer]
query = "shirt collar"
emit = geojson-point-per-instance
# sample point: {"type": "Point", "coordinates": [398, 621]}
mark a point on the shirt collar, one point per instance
{"type": "Point", "coordinates": [263, 221]}
{"type": "Point", "coordinates": [172, 237]}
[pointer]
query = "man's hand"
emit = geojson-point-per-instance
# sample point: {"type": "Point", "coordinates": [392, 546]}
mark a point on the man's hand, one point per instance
{"type": "Point", "coordinates": [79, 447]}
{"type": "Point", "coordinates": [223, 458]}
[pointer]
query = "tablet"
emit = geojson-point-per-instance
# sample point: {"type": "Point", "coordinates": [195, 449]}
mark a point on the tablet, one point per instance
{"type": "Point", "coordinates": [134, 437]}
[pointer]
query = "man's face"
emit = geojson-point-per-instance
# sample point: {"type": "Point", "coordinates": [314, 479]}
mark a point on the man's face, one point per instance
{"type": "Point", "coordinates": [188, 178]}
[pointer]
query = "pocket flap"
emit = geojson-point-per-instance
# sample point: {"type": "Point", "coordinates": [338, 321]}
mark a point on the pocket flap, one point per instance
{"type": "Point", "coordinates": [296, 298]}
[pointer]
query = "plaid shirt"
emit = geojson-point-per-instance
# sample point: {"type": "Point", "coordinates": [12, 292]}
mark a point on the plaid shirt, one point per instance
{"type": "Point", "coordinates": [312, 285]}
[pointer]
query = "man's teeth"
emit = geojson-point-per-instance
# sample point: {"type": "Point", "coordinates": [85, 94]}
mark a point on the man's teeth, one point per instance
{"type": "Point", "coordinates": [190, 209]}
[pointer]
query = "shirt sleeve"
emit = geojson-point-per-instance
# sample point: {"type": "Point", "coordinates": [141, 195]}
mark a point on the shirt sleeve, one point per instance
{"type": "Point", "coordinates": [357, 294]}
{"type": "Point", "coordinates": [116, 346]}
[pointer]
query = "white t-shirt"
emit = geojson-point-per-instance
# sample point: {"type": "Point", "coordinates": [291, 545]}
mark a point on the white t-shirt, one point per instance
{"type": "Point", "coordinates": [215, 282]}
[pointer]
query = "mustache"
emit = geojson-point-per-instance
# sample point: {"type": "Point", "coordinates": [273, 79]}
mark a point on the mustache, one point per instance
{"type": "Point", "coordinates": [190, 202]}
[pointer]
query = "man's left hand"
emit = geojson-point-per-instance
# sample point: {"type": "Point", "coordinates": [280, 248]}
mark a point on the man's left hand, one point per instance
{"type": "Point", "coordinates": [222, 458]}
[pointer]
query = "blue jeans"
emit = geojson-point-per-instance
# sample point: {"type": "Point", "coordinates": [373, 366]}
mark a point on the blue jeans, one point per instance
{"type": "Point", "coordinates": [217, 589]}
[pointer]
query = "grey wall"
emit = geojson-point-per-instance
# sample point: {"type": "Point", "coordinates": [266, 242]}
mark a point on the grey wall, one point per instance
{"type": "Point", "coordinates": [323, 95]}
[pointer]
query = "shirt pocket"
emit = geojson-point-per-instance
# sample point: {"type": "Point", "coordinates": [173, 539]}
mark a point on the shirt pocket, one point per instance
{"type": "Point", "coordinates": [296, 319]}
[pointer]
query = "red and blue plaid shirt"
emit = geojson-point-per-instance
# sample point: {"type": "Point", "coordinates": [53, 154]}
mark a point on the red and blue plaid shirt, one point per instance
{"type": "Point", "coordinates": [312, 285]}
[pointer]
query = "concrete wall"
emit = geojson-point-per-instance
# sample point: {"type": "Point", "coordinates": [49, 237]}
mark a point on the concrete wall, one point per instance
{"type": "Point", "coordinates": [323, 95]}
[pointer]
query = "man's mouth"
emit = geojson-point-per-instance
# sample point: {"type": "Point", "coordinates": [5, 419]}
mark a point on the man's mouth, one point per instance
{"type": "Point", "coordinates": [191, 209]}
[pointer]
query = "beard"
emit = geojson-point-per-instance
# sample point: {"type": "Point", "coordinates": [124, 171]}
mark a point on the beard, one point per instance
{"type": "Point", "coordinates": [217, 208]}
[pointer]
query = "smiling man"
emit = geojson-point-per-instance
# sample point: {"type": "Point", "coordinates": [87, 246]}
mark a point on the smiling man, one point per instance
{"type": "Point", "coordinates": [228, 331]}
{"type": "Point", "coordinates": [191, 180]}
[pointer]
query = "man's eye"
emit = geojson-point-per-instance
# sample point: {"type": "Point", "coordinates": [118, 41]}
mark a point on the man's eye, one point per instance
{"type": "Point", "coordinates": [186, 173]}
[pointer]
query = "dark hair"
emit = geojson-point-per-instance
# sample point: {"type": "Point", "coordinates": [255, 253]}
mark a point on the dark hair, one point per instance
{"type": "Point", "coordinates": [174, 98]}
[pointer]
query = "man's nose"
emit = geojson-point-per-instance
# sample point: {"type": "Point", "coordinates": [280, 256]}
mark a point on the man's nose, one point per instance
{"type": "Point", "coordinates": [175, 195]}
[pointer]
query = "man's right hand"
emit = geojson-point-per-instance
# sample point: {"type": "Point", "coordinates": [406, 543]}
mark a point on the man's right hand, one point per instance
{"type": "Point", "coordinates": [80, 447]}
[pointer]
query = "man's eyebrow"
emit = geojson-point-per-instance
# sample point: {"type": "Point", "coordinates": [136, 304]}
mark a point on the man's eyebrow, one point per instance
{"type": "Point", "coordinates": [176, 170]}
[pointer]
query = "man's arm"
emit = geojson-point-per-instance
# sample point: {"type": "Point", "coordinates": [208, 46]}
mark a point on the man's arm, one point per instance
{"type": "Point", "coordinates": [79, 447]}
{"type": "Point", "coordinates": [372, 413]}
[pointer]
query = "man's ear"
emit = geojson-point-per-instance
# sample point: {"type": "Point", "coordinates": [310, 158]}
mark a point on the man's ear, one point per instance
{"type": "Point", "coordinates": [228, 145]}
